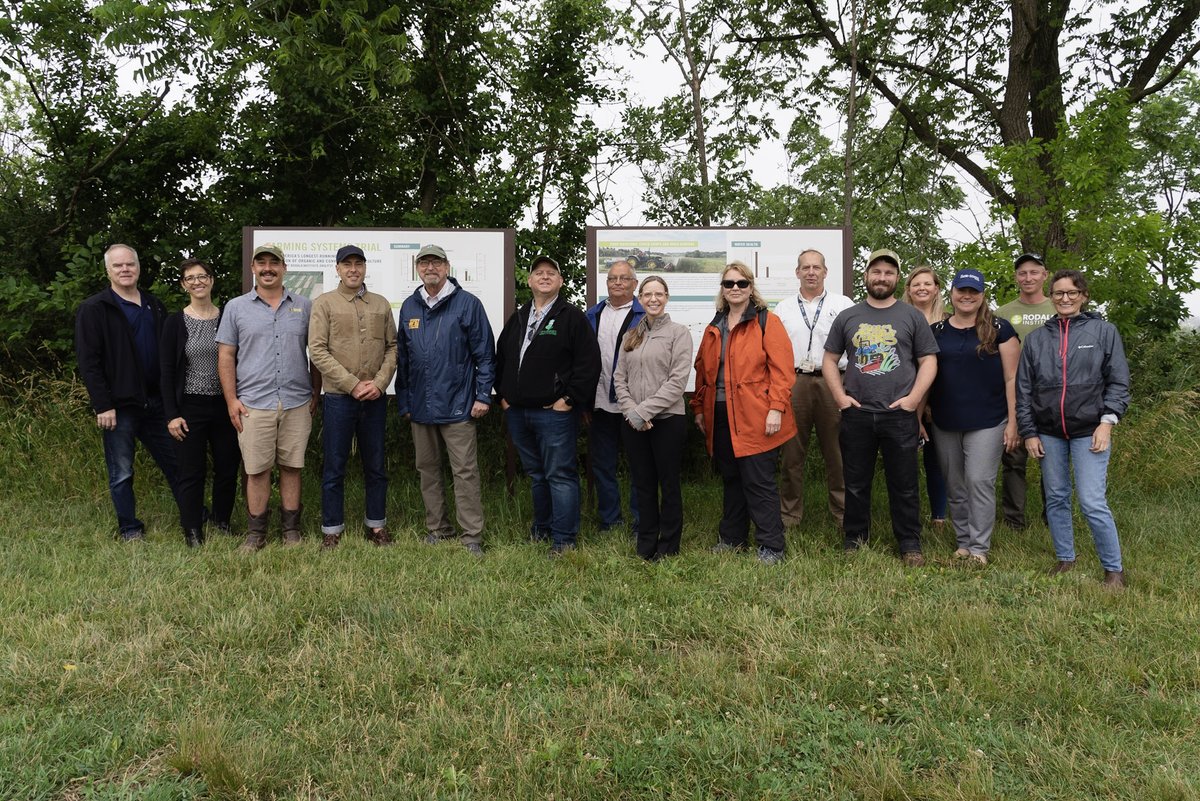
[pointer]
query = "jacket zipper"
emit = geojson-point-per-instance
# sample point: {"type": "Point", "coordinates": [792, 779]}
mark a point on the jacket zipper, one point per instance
{"type": "Point", "coordinates": [1064, 337]}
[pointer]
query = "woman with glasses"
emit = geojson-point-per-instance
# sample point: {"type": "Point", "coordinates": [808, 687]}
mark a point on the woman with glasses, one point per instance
{"type": "Point", "coordinates": [973, 404]}
{"type": "Point", "coordinates": [923, 289]}
{"type": "Point", "coordinates": [650, 378]}
{"type": "Point", "coordinates": [742, 402]}
{"type": "Point", "coordinates": [195, 409]}
{"type": "Point", "coordinates": [1072, 388]}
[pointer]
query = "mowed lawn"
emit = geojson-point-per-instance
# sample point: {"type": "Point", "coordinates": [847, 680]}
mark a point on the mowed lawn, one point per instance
{"type": "Point", "coordinates": [154, 672]}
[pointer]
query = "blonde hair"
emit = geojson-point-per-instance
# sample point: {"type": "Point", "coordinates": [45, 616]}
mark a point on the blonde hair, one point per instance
{"type": "Point", "coordinates": [937, 310]}
{"type": "Point", "coordinates": [634, 338]}
{"type": "Point", "coordinates": [756, 300]}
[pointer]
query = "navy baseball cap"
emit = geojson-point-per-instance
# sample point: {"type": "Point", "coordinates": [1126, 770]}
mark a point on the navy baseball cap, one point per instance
{"type": "Point", "coordinates": [347, 251]}
{"type": "Point", "coordinates": [968, 279]}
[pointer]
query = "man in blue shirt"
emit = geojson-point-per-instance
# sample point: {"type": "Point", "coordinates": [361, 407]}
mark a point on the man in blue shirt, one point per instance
{"type": "Point", "coordinates": [271, 391]}
{"type": "Point", "coordinates": [116, 346]}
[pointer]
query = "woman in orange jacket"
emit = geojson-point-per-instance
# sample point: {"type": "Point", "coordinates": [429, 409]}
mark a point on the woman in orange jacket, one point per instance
{"type": "Point", "coordinates": [742, 402]}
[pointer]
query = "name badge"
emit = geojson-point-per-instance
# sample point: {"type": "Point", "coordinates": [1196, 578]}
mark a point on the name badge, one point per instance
{"type": "Point", "coordinates": [414, 322]}
{"type": "Point", "coordinates": [807, 366]}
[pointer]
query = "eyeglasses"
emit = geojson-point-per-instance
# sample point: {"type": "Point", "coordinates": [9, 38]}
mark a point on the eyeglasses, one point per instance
{"type": "Point", "coordinates": [1069, 294]}
{"type": "Point", "coordinates": [612, 279]}
{"type": "Point", "coordinates": [202, 278]}
{"type": "Point", "coordinates": [740, 284]}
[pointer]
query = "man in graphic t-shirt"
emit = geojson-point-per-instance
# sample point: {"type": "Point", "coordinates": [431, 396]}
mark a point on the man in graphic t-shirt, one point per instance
{"type": "Point", "coordinates": [1030, 310]}
{"type": "Point", "coordinates": [892, 361]}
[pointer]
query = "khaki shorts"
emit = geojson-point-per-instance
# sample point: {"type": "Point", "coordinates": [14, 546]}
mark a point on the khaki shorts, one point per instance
{"type": "Point", "coordinates": [272, 436]}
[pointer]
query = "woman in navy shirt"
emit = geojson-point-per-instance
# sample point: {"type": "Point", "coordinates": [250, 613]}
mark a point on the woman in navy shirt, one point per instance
{"type": "Point", "coordinates": [973, 401]}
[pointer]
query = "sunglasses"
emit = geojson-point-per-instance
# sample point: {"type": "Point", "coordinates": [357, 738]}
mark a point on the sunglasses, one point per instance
{"type": "Point", "coordinates": [740, 284]}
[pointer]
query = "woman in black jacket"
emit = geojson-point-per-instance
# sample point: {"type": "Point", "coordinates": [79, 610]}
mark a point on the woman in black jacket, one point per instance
{"type": "Point", "coordinates": [195, 409]}
{"type": "Point", "coordinates": [1072, 388]}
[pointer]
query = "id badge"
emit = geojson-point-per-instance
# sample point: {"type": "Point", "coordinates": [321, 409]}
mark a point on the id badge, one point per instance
{"type": "Point", "coordinates": [807, 366]}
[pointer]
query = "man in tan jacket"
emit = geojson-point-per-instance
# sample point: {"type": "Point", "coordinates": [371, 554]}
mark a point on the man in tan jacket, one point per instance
{"type": "Point", "coordinates": [352, 341]}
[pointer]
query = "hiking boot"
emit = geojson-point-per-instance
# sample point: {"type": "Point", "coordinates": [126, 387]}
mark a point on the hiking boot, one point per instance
{"type": "Point", "coordinates": [256, 532]}
{"type": "Point", "coordinates": [194, 537]}
{"type": "Point", "coordinates": [378, 536]}
{"type": "Point", "coordinates": [769, 556]}
{"type": "Point", "coordinates": [1063, 566]}
{"type": "Point", "coordinates": [330, 541]}
{"type": "Point", "coordinates": [913, 559]}
{"type": "Point", "coordinates": [289, 521]}
{"type": "Point", "coordinates": [1114, 579]}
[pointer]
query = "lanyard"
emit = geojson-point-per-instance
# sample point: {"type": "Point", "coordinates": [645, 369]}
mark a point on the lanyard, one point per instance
{"type": "Point", "coordinates": [813, 324]}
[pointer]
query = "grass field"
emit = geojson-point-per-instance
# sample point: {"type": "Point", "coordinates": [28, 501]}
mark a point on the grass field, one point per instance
{"type": "Point", "coordinates": [154, 672]}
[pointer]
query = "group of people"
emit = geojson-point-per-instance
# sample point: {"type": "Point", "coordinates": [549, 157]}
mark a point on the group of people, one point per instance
{"type": "Point", "coordinates": [975, 388]}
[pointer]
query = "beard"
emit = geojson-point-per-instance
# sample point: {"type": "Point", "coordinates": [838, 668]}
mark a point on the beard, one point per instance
{"type": "Point", "coordinates": [881, 291]}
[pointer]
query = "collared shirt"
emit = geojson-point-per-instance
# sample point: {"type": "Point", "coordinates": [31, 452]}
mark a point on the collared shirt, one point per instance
{"type": "Point", "coordinates": [352, 338]}
{"type": "Point", "coordinates": [272, 359]}
{"type": "Point", "coordinates": [535, 320]}
{"type": "Point", "coordinates": [433, 300]}
{"type": "Point", "coordinates": [611, 318]}
{"type": "Point", "coordinates": [145, 337]}
{"type": "Point", "coordinates": [808, 329]}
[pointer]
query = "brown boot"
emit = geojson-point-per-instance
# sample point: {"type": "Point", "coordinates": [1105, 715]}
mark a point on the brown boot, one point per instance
{"type": "Point", "coordinates": [289, 521]}
{"type": "Point", "coordinates": [1114, 580]}
{"type": "Point", "coordinates": [330, 541]}
{"type": "Point", "coordinates": [1062, 567]}
{"type": "Point", "coordinates": [256, 532]}
{"type": "Point", "coordinates": [377, 536]}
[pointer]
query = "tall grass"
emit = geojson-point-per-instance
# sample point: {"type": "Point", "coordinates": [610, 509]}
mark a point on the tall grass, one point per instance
{"type": "Point", "coordinates": [417, 671]}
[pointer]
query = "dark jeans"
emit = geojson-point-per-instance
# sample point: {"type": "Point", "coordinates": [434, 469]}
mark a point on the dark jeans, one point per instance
{"type": "Point", "coordinates": [546, 442]}
{"type": "Point", "coordinates": [604, 440]}
{"type": "Point", "coordinates": [655, 462]}
{"type": "Point", "coordinates": [208, 429]}
{"type": "Point", "coordinates": [344, 421]}
{"type": "Point", "coordinates": [863, 435]}
{"type": "Point", "coordinates": [147, 424]}
{"type": "Point", "coordinates": [750, 490]}
{"type": "Point", "coordinates": [935, 482]}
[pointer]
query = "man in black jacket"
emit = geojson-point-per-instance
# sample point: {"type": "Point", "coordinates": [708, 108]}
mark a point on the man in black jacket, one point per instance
{"type": "Point", "coordinates": [116, 344]}
{"type": "Point", "coordinates": [547, 366]}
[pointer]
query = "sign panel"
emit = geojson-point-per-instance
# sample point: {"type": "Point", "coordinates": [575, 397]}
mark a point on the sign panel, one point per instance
{"type": "Point", "coordinates": [691, 261]}
{"type": "Point", "coordinates": [480, 260]}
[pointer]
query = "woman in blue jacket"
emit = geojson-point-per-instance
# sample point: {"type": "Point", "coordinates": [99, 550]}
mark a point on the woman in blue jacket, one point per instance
{"type": "Point", "coordinates": [1072, 388]}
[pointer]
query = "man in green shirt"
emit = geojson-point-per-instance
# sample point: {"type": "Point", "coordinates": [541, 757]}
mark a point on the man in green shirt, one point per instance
{"type": "Point", "coordinates": [1030, 310]}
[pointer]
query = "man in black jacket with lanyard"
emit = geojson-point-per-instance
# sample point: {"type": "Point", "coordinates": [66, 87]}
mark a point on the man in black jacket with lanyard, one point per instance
{"type": "Point", "coordinates": [116, 345]}
{"type": "Point", "coordinates": [547, 366]}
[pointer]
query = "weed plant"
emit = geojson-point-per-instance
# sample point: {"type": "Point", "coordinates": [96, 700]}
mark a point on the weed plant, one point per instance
{"type": "Point", "coordinates": [154, 672]}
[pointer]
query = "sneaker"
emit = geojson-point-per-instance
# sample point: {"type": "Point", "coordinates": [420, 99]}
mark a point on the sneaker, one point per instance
{"type": "Point", "coordinates": [330, 541]}
{"type": "Point", "coordinates": [539, 536]}
{"type": "Point", "coordinates": [136, 535]}
{"type": "Point", "coordinates": [475, 549]}
{"type": "Point", "coordinates": [961, 553]}
{"type": "Point", "coordinates": [378, 536]}
{"type": "Point", "coordinates": [725, 547]}
{"type": "Point", "coordinates": [1062, 567]}
{"type": "Point", "coordinates": [913, 559]}
{"type": "Point", "coordinates": [978, 559]}
{"type": "Point", "coordinates": [1114, 580]}
{"type": "Point", "coordinates": [556, 551]}
{"type": "Point", "coordinates": [769, 556]}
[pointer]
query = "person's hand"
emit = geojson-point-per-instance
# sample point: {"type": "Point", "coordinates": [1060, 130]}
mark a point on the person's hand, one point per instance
{"type": "Point", "coordinates": [700, 421]}
{"type": "Point", "coordinates": [365, 391]}
{"type": "Point", "coordinates": [1101, 438]}
{"type": "Point", "coordinates": [1012, 440]}
{"type": "Point", "coordinates": [503, 405]}
{"type": "Point", "coordinates": [907, 403]}
{"type": "Point", "coordinates": [236, 412]}
{"type": "Point", "coordinates": [774, 422]}
{"type": "Point", "coordinates": [922, 432]}
{"type": "Point", "coordinates": [559, 405]}
{"type": "Point", "coordinates": [479, 409]}
{"type": "Point", "coordinates": [107, 421]}
{"type": "Point", "coordinates": [178, 428]}
{"type": "Point", "coordinates": [1033, 446]}
{"type": "Point", "coordinates": [314, 404]}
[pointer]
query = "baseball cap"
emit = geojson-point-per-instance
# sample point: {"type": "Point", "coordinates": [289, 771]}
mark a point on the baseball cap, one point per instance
{"type": "Point", "coordinates": [544, 259]}
{"type": "Point", "coordinates": [432, 250]}
{"type": "Point", "coordinates": [968, 279]}
{"type": "Point", "coordinates": [1024, 257]}
{"type": "Point", "coordinates": [884, 253]}
{"type": "Point", "coordinates": [346, 251]}
{"type": "Point", "coordinates": [271, 249]}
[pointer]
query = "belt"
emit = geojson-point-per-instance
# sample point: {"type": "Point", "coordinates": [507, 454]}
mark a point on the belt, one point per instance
{"type": "Point", "coordinates": [807, 372]}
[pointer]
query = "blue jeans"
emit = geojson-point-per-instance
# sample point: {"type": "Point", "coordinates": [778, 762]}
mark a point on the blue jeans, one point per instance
{"type": "Point", "coordinates": [604, 444]}
{"type": "Point", "coordinates": [1091, 486]}
{"type": "Point", "coordinates": [344, 420]}
{"type": "Point", "coordinates": [150, 426]}
{"type": "Point", "coordinates": [546, 442]}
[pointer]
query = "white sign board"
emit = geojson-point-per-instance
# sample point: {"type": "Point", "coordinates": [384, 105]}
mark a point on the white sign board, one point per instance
{"type": "Point", "coordinates": [480, 260]}
{"type": "Point", "coordinates": [691, 261]}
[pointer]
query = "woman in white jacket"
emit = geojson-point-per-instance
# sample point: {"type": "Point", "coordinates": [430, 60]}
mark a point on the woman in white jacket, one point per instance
{"type": "Point", "coordinates": [651, 376]}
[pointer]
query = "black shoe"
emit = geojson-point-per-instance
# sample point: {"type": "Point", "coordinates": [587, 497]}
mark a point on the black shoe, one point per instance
{"type": "Point", "coordinates": [136, 535]}
{"type": "Point", "coordinates": [556, 551]}
{"type": "Point", "coordinates": [769, 556]}
{"type": "Point", "coordinates": [194, 537]}
{"type": "Point", "coordinates": [222, 528]}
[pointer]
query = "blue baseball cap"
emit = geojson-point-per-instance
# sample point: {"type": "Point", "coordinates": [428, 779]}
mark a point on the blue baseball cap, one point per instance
{"type": "Point", "coordinates": [968, 279]}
